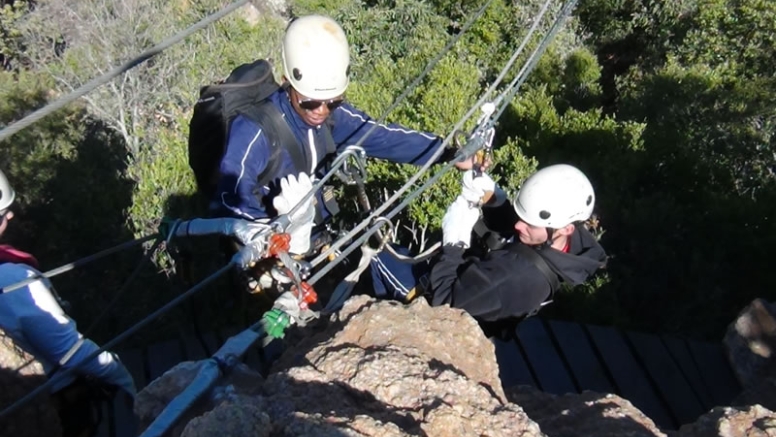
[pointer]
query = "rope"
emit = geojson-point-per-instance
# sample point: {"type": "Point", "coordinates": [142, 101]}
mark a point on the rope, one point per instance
{"type": "Point", "coordinates": [118, 339]}
{"type": "Point", "coordinates": [506, 96]}
{"type": "Point", "coordinates": [414, 84]}
{"type": "Point", "coordinates": [104, 312]}
{"type": "Point", "coordinates": [107, 77]}
{"type": "Point", "coordinates": [339, 243]}
{"type": "Point", "coordinates": [78, 263]}
{"type": "Point", "coordinates": [511, 90]}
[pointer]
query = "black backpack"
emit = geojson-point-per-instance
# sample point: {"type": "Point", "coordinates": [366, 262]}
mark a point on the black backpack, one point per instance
{"type": "Point", "coordinates": [244, 92]}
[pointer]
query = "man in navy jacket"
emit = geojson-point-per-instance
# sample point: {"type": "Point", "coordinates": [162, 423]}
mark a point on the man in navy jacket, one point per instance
{"type": "Point", "coordinates": [316, 62]}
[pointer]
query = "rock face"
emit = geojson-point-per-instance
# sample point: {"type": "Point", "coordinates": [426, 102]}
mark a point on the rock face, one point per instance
{"type": "Point", "coordinates": [751, 421]}
{"type": "Point", "coordinates": [380, 369]}
{"type": "Point", "coordinates": [20, 373]}
{"type": "Point", "coordinates": [241, 385]}
{"type": "Point", "coordinates": [751, 343]}
{"type": "Point", "coordinates": [385, 369]}
{"type": "Point", "coordinates": [448, 336]}
{"type": "Point", "coordinates": [586, 414]}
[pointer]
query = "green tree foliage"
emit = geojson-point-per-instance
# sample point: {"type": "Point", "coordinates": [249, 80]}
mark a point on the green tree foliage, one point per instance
{"type": "Point", "coordinates": [10, 34]}
{"type": "Point", "coordinates": [686, 213]}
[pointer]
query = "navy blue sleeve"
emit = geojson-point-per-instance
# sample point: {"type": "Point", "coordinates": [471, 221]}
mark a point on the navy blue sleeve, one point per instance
{"type": "Point", "coordinates": [391, 142]}
{"type": "Point", "coordinates": [488, 289]}
{"type": "Point", "coordinates": [247, 154]}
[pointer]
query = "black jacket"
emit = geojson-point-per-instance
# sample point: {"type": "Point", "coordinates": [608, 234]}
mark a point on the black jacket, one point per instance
{"type": "Point", "coordinates": [502, 284]}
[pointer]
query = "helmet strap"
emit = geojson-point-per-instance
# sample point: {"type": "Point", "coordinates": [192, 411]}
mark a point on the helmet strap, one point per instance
{"type": "Point", "coordinates": [548, 243]}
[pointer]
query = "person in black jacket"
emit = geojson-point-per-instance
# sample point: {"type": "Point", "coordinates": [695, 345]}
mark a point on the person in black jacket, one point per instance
{"type": "Point", "coordinates": [546, 217]}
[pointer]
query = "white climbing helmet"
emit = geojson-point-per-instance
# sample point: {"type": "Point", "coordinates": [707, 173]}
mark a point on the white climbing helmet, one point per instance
{"type": "Point", "coordinates": [7, 194]}
{"type": "Point", "coordinates": [554, 197]}
{"type": "Point", "coordinates": [316, 57]}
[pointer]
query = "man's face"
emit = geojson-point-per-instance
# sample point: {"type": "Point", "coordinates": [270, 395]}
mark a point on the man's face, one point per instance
{"type": "Point", "coordinates": [313, 112]}
{"type": "Point", "coordinates": [529, 234]}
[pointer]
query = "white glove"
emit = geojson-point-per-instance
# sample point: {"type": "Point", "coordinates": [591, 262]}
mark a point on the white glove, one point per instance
{"type": "Point", "coordinates": [458, 222]}
{"type": "Point", "coordinates": [474, 188]}
{"type": "Point", "coordinates": [292, 190]}
{"type": "Point", "coordinates": [245, 231]}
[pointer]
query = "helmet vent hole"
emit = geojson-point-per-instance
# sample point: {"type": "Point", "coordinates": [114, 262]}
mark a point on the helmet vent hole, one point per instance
{"type": "Point", "coordinates": [544, 215]}
{"type": "Point", "coordinates": [297, 74]}
{"type": "Point", "coordinates": [589, 200]}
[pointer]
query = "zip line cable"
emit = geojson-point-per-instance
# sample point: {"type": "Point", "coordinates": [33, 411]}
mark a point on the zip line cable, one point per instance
{"type": "Point", "coordinates": [509, 92]}
{"type": "Point", "coordinates": [97, 82]}
{"type": "Point", "coordinates": [411, 87]}
{"type": "Point", "coordinates": [536, 20]}
{"type": "Point", "coordinates": [521, 77]}
{"type": "Point", "coordinates": [78, 263]}
{"type": "Point", "coordinates": [339, 243]}
{"type": "Point", "coordinates": [135, 273]}
{"type": "Point", "coordinates": [118, 339]}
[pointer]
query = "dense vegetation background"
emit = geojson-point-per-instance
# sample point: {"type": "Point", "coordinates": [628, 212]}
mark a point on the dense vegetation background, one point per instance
{"type": "Point", "coordinates": [667, 106]}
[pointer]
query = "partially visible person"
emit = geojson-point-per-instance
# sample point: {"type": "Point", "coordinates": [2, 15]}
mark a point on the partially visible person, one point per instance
{"type": "Point", "coordinates": [549, 245]}
{"type": "Point", "coordinates": [34, 319]}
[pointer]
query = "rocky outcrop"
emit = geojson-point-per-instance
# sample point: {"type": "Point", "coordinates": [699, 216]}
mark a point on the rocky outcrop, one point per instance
{"type": "Point", "coordinates": [379, 369]}
{"type": "Point", "coordinates": [586, 414]}
{"type": "Point", "coordinates": [20, 373]}
{"type": "Point", "coordinates": [749, 421]}
{"type": "Point", "coordinates": [384, 369]}
{"type": "Point", "coordinates": [449, 337]}
{"type": "Point", "coordinates": [751, 343]}
{"type": "Point", "coordinates": [241, 386]}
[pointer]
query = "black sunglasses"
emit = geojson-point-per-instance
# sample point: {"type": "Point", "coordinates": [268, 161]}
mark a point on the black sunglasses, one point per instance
{"type": "Point", "coordinates": [312, 105]}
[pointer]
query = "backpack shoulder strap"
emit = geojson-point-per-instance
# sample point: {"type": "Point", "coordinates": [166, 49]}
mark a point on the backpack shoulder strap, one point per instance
{"type": "Point", "coordinates": [280, 137]}
{"type": "Point", "coordinates": [331, 148]}
{"type": "Point", "coordinates": [537, 260]}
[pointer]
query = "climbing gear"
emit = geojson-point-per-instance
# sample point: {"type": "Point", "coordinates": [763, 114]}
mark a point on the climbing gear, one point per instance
{"type": "Point", "coordinates": [244, 231]}
{"type": "Point", "coordinates": [275, 322]}
{"type": "Point", "coordinates": [345, 288]}
{"type": "Point", "coordinates": [316, 57]}
{"type": "Point", "coordinates": [7, 194]}
{"type": "Point", "coordinates": [554, 197]}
